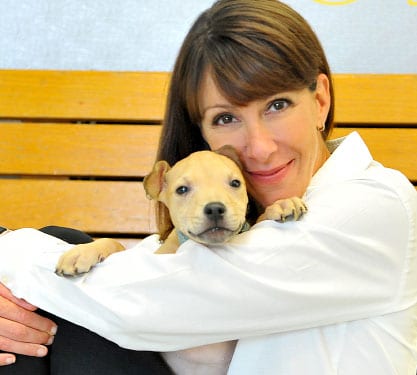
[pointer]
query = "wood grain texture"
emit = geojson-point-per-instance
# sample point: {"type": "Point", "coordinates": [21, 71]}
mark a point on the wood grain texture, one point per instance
{"type": "Point", "coordinates": [83, 95]}
{"type": "Point", "coordinates": [115, 207]}
{"type": "Point", "coordinates": [376, 99]}
{"type": "Point", "coordinates": [77, 150]}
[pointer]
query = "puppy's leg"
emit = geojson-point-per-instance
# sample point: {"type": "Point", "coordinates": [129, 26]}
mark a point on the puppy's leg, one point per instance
{"type": "Point", "coordinates": [284, 209]}
{"type": "Point", "coordinates": [170, 245]}
{"type": "Point", "coordinates": [81, 258]}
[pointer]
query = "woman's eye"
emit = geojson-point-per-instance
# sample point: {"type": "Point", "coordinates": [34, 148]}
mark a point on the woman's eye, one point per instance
{"type": "Point", "coordinates": [181, 190]}
{"type": "Point", "coordinates": [278, 105]}
{"type": "Point", "coordinates": [224, 119]}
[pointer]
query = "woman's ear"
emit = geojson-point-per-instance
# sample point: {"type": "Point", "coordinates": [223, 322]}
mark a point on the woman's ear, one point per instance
{"type": "Point", "coordinates": [323, 98]}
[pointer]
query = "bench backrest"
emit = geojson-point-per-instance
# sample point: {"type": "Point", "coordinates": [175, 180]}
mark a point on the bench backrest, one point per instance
{"type": "Point", "coordinates": [75, 145]}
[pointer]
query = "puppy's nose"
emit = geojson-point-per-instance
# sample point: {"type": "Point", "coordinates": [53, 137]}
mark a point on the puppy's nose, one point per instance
{"type": "Point", "coordinates": [214, 210]}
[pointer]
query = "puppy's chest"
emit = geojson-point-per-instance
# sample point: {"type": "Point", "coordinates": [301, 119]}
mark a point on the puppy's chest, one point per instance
{"type": "Point", "coordinates": [211, 359]}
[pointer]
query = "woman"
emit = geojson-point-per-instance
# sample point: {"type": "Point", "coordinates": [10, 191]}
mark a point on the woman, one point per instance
{"type": "Point", "coordinates": [336, 292]}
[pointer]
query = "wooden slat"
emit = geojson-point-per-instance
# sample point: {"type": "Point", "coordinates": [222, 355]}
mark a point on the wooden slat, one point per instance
{"type": "Point", "coordinates": [395, 148]}
{"type": "Point", "coordinates": [376, 99]}
{"type": "Point", "coordinates": [92, 206]}
{"type": "Point", "coordinates": [82, 150]}
{"type": "Point", "coordinates": [127, 96]}
{"type": "Point", "coordinates": [140, 96]}
{"type": "Point", "coordinates": [129, 150]}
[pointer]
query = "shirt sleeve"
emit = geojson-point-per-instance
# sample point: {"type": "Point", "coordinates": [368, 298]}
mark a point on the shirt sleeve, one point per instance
{"type": "Point", "coordinates": [345, 260]}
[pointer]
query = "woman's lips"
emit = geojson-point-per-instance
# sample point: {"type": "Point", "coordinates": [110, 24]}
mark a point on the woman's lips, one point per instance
{"type": "Point", "coordinates": [272, 175]}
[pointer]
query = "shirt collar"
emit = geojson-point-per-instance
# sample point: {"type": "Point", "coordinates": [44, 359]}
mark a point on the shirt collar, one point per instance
{"type": "Point", "coordinates": [349, 156]}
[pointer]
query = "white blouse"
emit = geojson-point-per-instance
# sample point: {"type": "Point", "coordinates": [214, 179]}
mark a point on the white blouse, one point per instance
{"type": "Point", "coordinates": [333, 293]}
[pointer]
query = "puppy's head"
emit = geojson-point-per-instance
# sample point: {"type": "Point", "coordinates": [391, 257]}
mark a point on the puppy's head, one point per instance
{"type": "Point", "coordinates": [205, 194]}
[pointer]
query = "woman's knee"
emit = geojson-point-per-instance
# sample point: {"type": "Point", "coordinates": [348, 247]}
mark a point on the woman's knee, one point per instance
{"type": "Point", "coordinates": [70, 235]}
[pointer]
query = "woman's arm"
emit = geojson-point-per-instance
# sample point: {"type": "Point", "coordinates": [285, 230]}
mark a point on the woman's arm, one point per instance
{"type": "Point", "coordinates": [348, 258]}
{"type": "Point", "coordinates": [22, 331]}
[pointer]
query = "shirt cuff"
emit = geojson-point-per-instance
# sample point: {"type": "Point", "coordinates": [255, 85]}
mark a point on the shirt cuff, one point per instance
{"type": "Point", "coordinates": [22, 248]}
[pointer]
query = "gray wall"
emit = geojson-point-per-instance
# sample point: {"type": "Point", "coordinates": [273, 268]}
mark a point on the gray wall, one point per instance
{"type": "Point", "coordinates": [363, 36]}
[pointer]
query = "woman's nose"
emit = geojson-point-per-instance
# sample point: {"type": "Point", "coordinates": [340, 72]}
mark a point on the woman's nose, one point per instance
{"type": "Point", "coordinates": [260, 142]}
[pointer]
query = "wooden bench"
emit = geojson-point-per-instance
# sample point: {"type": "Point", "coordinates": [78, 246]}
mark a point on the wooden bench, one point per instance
{"type": "Point", "coordinates": [75, 145]}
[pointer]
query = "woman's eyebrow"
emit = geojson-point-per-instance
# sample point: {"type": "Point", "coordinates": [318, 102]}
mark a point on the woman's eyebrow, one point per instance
{"type": "Point", "coordinates": [215, 106]}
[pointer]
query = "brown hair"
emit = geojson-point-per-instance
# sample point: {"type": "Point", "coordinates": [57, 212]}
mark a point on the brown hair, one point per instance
{"type": "Point", "coordinates": [252, 49]}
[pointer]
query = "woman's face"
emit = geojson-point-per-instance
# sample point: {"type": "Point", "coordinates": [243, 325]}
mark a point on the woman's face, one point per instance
{"type": "Point", "coordinates": [278, 139]}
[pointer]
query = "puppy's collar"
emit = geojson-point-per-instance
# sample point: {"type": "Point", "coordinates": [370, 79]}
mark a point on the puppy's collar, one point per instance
{"type": "Point", "coordinates": [183, 237]}
{"type": "Point", "coordinates": [245, 227]}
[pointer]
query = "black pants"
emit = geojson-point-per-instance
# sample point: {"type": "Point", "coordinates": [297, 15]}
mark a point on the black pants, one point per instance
{"type": "Point", "coordinates": [77, 350]}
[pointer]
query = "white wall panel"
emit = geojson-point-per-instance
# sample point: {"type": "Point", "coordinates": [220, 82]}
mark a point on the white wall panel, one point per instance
{"type": "Point", "coordinates": [362, 36]}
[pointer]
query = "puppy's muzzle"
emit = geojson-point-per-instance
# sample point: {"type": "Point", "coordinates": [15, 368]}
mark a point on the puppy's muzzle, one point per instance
{"type": "Point", "coordinates": [218, 227]}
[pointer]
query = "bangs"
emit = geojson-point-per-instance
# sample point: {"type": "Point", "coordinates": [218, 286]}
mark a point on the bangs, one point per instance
{"type": "Point", "coordinates": [245, 71]}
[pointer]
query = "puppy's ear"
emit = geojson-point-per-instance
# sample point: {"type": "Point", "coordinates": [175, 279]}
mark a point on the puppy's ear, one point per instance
{"type": "Point", "coordinates": [154, 181]}
{"type": "Point", "coordinates": [231, 153]}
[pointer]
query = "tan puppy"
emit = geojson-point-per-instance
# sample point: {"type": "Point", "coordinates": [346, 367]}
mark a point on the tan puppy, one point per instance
{"type": "Point", "coordinates": [206, 198]}
{"type": "Point", "coordinates": [205, 194]}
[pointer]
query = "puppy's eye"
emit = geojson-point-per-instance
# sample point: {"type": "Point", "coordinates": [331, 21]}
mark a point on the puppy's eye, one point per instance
{"type": "Point", "coordinates": [181, 190]}
{"type": "Point", "coordinates": [235, 183]}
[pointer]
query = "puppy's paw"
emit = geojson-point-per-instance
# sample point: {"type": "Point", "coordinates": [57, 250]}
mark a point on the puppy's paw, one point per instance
{"type": "Point", "coordinates": [285, 209]}
{"type": "Point", "coordinates": [78, 260]}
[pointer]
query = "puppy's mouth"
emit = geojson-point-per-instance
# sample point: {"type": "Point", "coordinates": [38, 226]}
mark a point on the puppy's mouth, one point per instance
{"type": "Point", "coordinates": [213, 235]}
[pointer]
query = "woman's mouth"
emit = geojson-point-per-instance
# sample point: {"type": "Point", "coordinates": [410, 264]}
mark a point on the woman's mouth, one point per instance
{"type": "Point", "coordinates": [271, 175]}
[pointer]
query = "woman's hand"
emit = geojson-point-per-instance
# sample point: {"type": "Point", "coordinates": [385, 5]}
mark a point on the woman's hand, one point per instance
{"type": "Point", "coordinates": [22, 331]}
